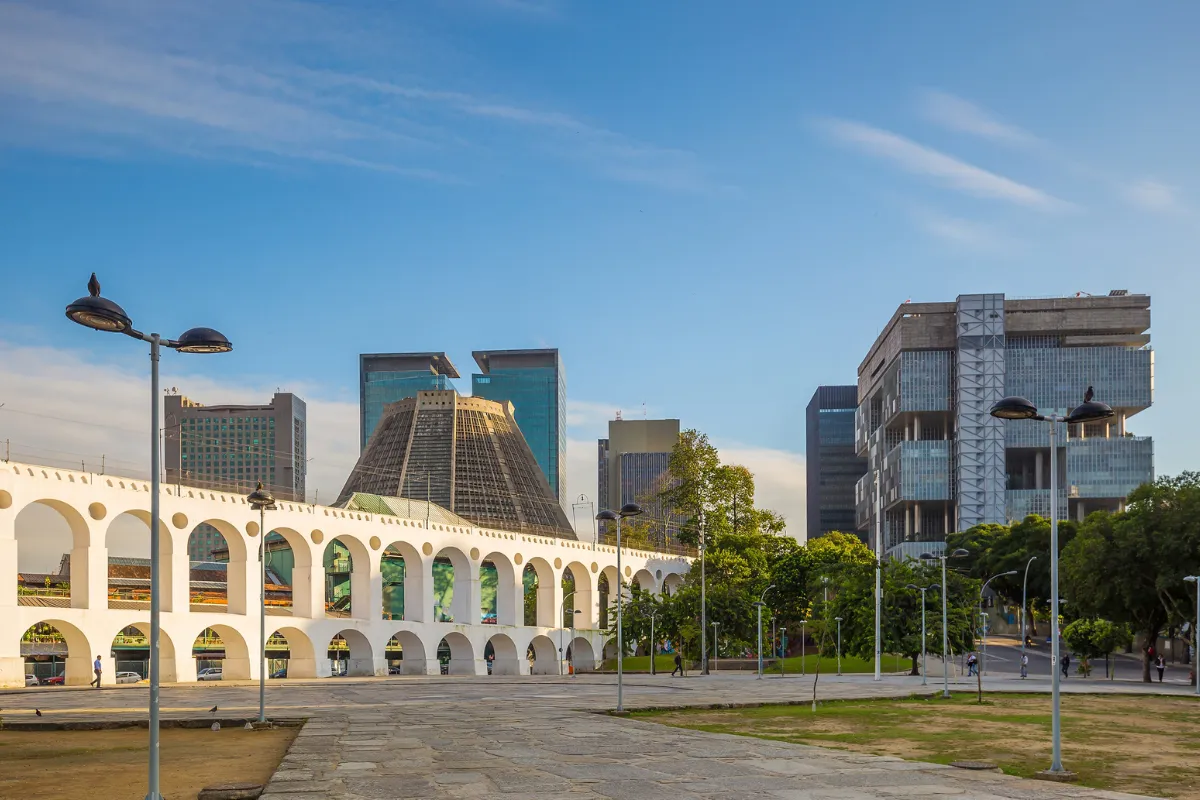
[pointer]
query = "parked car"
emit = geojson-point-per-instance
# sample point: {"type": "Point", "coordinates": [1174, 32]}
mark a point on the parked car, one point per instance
{"type": "Point", "coordinates": [279, 673]}
{"type": "Point", "coordinates": [209, 674]}
{"type": "Point", "coordinates": [128, 677]}
{"type": "Point", "coordinates": [394, 671]}
{"type": "Point", "coordinates": [53, 680]}
{"type": "Point", "coordinates": [31, 680]}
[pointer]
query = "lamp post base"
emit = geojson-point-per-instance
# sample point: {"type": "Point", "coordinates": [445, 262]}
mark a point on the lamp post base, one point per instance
{"type": "Point", "coordinates": [1060, 776]}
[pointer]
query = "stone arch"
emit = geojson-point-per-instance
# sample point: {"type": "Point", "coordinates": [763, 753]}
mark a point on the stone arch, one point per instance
{"type": "Point", "coordinates": [606, 595]}
{"type": "Point", "coordinates": [645, 581]}
{"type": "Point", "coordinates": [610, 649]}
{"type": "Point", "coordinates": [77, 662]}
{"type": "Point", "coordinates": [360, 658]}
{"type": "Point", "coordinates": [450, 600]}
{"type": "Point", "coordinates": [413, 658]}
{"type": "Point", "coordinates": [137, 586]}
{"type": "Point", "coordinates": [32, 520]}
{"type": "Point", "coordinates": [546, 605]}
{"type": "Point", "coordinates": [301, 655]}
{"type": "Point", "coordinates": [347, 596]}
{"type": "Point", "coordinates": [582, 656]}
{"type": "Point", "coordinates": [168, 664]}
{"type": "Point", "coordinates": [545, 656]}
{"type": "Point", "coordinates": [402, 574]}
{"type": "Point", "coordinates": [505, 608]}
{"type": "Point", "coordinates": [290, 564]}
{"type": "Point", "coordinates": [236, 662]}
{"type": "Point", "coordinates": [223, 543]}
{"type": "Point", "coordinates": [504, 657]}
{"type": "Point", "coordinates": [462, 654]}
{"type": "Point", "coordinates": [585, 596]}
{"type": "Point", "coordinates": [672, 583]}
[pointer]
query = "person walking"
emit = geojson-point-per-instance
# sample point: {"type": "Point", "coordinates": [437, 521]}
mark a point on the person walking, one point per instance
{"type": "Point", "coordinates": [1066, 664]}
{"type": "Point", "coordinates": [678, 666]}
{"type": "Point", "coordinates": [96, 669]}
{"type": "Point", "coordinates": [972, 665]}
{"type": "Point", "coordinates": [1024, 665]}
{"type": "Point", "coordinates": [1160, 664]}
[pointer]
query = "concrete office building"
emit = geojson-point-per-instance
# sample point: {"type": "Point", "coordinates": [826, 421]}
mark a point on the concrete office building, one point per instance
{"type": "Point", "coordinates": [390, 377]}
{"type": "Point", "coordinates": [938, 461]}
{"type": "Point", "coordinates": [833, 466]}
{"type": "Point", "coordinates": [232, 447]}
{"type": "Point", "coordinates": [632, 462]}
{"type": "Point", "coordinates": [467, 455]}
{"type": "Point", "coordinates": [534, 382]}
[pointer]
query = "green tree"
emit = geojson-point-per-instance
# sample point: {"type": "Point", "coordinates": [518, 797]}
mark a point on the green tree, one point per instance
{"type": "Point", "coordinates": [1128, 567]}
{"type": "Point", "coordinates": [693, 469]}
{"type": "Point", "coordinates": [1093, 638]}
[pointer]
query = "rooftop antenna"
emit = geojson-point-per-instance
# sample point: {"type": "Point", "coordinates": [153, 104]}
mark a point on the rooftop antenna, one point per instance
{"type": "Point", "coordinates": [644, 415]}
{"type": "Point", "coordinates": [618, 415]}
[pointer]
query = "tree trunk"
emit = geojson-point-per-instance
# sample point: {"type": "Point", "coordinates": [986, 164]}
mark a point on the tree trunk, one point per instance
{"type": "Point", "coordinates": [915, 666]}
{"type": "Point", "coordinates": [1151, 641]}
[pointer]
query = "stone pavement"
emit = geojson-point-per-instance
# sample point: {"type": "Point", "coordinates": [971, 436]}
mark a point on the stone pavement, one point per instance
{"type": "Point", "coordinates": [541, 737]}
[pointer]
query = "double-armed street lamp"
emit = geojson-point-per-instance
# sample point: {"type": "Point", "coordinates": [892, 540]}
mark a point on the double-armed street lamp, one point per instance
{"type": "Point", "coordinates": [627, 510]}
{"type": "Point", "coordinates": [1017, 408]}
{"type": "Point", "coordinates": [758, 604]}
{"type": "Point", "coordinates": [956, 553]}
{"type": "Point", "coordinates": [983, 623]}
{"type": "Point", "coordinates": [262, 502]}
{"type": "Point", "coordinates": [923, 590]}
{"type": "Point", "coordinates": [102, 314]}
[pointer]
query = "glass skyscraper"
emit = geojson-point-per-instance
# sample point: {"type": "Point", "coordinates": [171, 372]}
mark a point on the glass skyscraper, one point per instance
{"type": "Point", "coordinates": [390, 377]}
{"type": "Point", "coordinates": [832, 465]}
{"type": "Point", "coordinates": [534, 382]}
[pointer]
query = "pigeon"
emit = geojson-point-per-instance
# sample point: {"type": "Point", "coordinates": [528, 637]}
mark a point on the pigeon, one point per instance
{"type": "Point", "coordinates": [37, 711]}
{"type": "Point", "coordinates": [212, 710]}
{"type": "Point", "coordinates": [1088, 395]}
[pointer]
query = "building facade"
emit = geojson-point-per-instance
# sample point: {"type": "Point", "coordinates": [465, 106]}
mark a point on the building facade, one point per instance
{"type": "Point", "coordinates": [632, 464]}
{"type": "Point", "coordinates": [939, 462]}
{"type": "Point", "coordinates": [535, 383]}
{"type": "Point", "coordinates": [390, 377]}
{"type": "Point", "coordinates": [833, 465]}
{"type": "Point", "coordinates": [465, 454]}
{"type": "Point", "coordinates": [233, 447]}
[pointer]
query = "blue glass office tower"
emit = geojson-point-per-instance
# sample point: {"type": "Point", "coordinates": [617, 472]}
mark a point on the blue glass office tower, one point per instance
{"type": "Point", "coordinates": [939, 462]}
{"type": "Point", "coordinates": [833, 466]}
{"type": "Point", "coordinates": [534, 382]}
{"type": "Point", "coordinates": [390, 377]}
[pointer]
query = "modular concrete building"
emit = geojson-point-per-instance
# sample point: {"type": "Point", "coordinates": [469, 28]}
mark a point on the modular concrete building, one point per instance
{"type": "Point", "coordinates": [631, 464]}
{"type": "Point", "coordinates": [939, 462]}
{"type": "Point", "coordinates": [465, 454]}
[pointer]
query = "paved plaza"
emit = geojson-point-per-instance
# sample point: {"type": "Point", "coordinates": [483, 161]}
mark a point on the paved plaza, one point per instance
{"type": "Point", "coordinates": [544, 738]}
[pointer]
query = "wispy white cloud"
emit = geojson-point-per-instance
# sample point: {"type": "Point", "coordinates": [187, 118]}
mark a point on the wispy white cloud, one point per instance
{"type": "Point", "coordinates": [962, 233]}
{"type": "Point", "coordinates": [241, 81]}
{"type": "Point", "coordinates": [947, 170]}
{"type": "Point", "coordinates": [1154, 196]}
{"type": "Point", "coordinates": [964, 116]}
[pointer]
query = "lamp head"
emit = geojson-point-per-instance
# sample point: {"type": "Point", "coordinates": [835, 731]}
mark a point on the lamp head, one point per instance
{"type": "Point", "coordinates": [1010, 572]}
{"type": "Point", "coordinates": [607, 516]}
{"type": "Point", "coordinates": [1089, 410]}
{"type": "Point", "coordinates": [913, 586]}
{"type": "Point", "coordinates": [202, 340]}
{"type": "Point", "coordinates": [1192, 578]}
{"type": "Point", "coordinates": [260, 499]}
{"type": "Point", "coordinates": [631, 510]}
{"type": "Point", "coordinates": [934, 586]}
{"type": "Point", "coordinates": [98, 313]}
{"type": "Point", "coordinates": [1014, 408]}
{"type": "Point", "coordinates": [960, 553]}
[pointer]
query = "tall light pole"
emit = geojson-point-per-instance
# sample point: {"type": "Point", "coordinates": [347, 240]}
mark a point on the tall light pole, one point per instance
{"type": "Point", "coordinates": [1196, 632]}
{"type": "Point", "coordinates": [758, 604]}
{"type": "Point", "coordinates": [839, 645]}
{"type": "Point", "coordinates": [653, 649]}
{"type": "Point", "coordinates": [627, 510]}
{"type": "Point", "coordinates": [878, 573]}
{"type": "Point", "coordinates": [958, 553]}
{"type": "Point", "coordinates": [262, 502]}
{"type": "Point", "coordinates": [1088, 411]}
{"type": "Point", "coordinates": [703, 605]}
{"type": "Point", "coordinates": [803, 646]}
{"type": "Point", "coordinates": [923, 589]}
{"type": "Point", "coordinates": [101, 314]}
{"type": "Point", "coordinates": [1025, 610]}
{"type": "Point", "coordinates": [716, 649]}
{"type": "Point", "coordinates": [562, 612]}
{"type": "Point", "coordinates": [782, 651]}
{"type": "Point", "coordinates": [983, 622]}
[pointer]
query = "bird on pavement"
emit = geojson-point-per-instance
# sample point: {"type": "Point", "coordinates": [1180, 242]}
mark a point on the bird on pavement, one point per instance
{"type": "Point", "coordinates": [1088, 395]}
{"type": "Point", "coordinates": [37, 711]}
{"type": "Point", "coordinates": [212, 710]}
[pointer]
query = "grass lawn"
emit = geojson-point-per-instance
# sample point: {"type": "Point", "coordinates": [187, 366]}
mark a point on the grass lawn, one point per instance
{"type": "Point", "coordinates": [828, 665]}
{"type": "Point", "coordinates": [1140, 744]}
{"type": "Point", "coordinates": [112, 764]}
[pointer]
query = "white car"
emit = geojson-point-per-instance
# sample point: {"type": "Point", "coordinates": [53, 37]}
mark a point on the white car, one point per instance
{"type": "Point", "coordinates": [31, 680]}
{"type": "Point", "coordinates": [128, 677]}
{"type": "Point", "coordinates": [209, 674]}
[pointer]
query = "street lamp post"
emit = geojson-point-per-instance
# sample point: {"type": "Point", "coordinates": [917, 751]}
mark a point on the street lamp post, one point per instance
{"type": "Point", "coordinates": [262, 501]}
{"type": "Point", "coordinates": [716, 650]}
{"type": "Point", "coordinates": [803, 646]}
{"type": "Point", "coordinates": [758, 604]}
{"type": "Point", "coordinates": [1025, 610]}
{"type": "Point", "coordinates": [562, 612]}
{"type": "Point", "coordinates": [983, 622]}
{"type": "Point", "coordinates": [923, 589]}
{"type": "Point", "coordinates": [782, 651]}
{"type": "Point", "coordinates": [653, 649]}
{"type": "Point", "coordinates": [703, 605]}
{"type": "Point", "coordinates": [627, 510]}
{"type": "Point", "coordinates": [1089, 410]}
{"type": "Point", "coordinates": [839, 645]}
{"type": "Point", "coordinates": [101, 314]}
{"type": "Point", "coordinates": [1196, 632]}
{"type": "Point", "coordinates": [958, 553]}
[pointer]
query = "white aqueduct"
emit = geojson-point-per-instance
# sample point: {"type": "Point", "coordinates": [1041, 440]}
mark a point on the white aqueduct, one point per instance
{"type": "Point", "coordinates": [88, 620]}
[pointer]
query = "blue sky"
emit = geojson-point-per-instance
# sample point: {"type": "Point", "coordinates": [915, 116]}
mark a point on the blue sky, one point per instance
{"type": "Point", "coordinates": [711, 208]}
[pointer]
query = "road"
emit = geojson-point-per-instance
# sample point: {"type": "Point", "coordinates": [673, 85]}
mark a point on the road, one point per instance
{"type": "Point", "coordinates": [1004, 658]}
